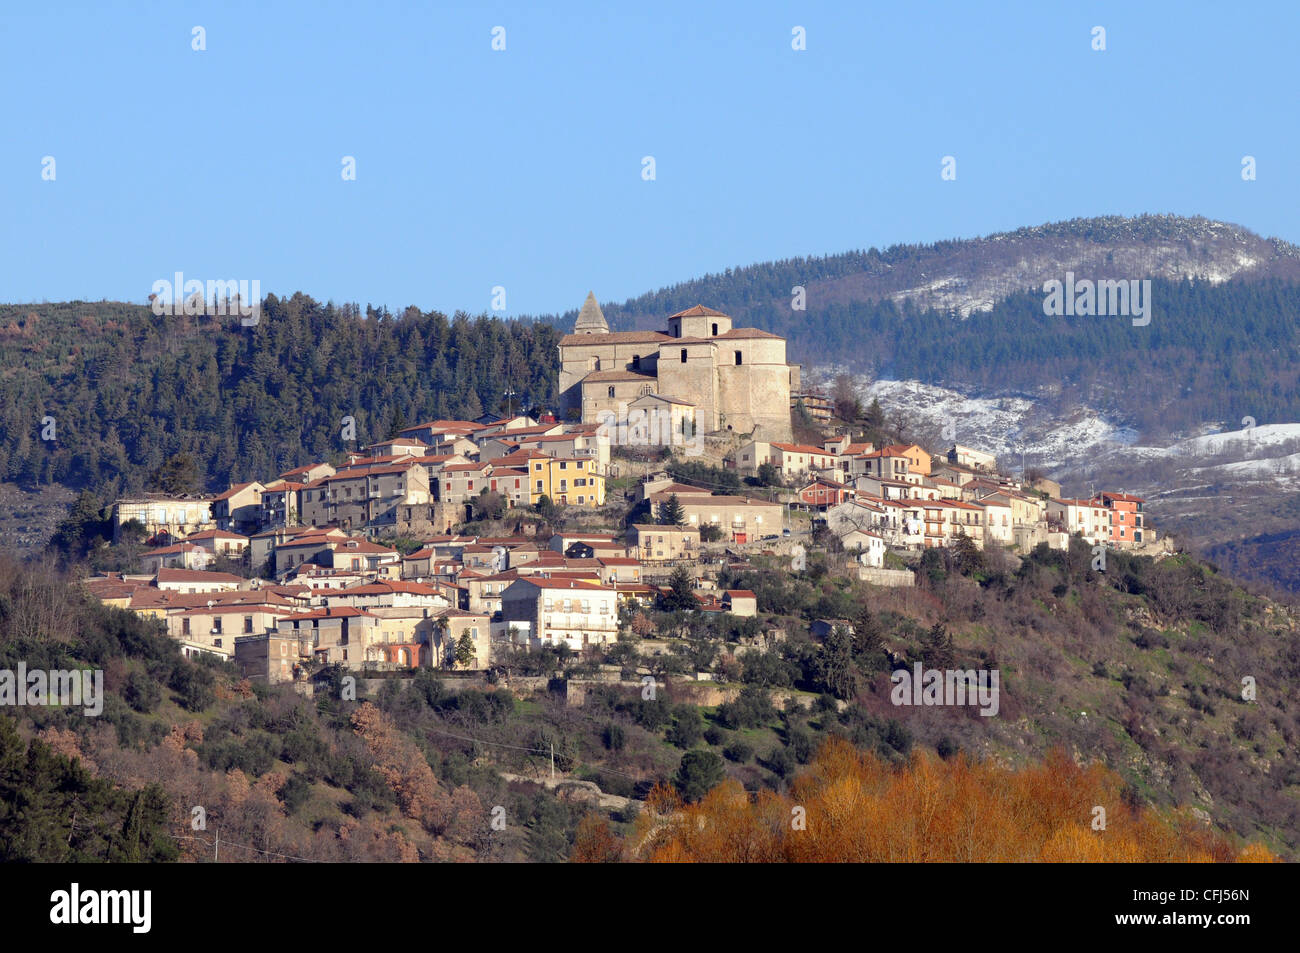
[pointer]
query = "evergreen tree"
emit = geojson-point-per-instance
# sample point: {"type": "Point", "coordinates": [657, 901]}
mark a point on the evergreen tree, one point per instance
{"type": "Point", "coordinates": [397, 424]}
{"type": "Point", "coordinates": [179, 476]}
{"type": "Point", "coordinates": [937, 649]}
{"type": "Point", "coordinates": [465, 652]}
{"type": "Point", "coordinates": [671, 512]}
{"type": "Point", "coordinates": [680, 593]}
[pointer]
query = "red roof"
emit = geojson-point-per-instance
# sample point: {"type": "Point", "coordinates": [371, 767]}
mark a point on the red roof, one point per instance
{"type": "Point", "coordinates": [802, 448]}
{"type": "Point", "coordinates": [235, 488]}
{"type": "Point", "coordinates": [547, 582]}
{"type": "Point", "coordinates": [333, 612]}
{"type": "Point", "coordinates": [699, 311]}
{"type": "Point", "coordinates": [196, 575]}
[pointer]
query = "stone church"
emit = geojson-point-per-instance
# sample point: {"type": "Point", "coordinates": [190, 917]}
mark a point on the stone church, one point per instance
{"type": "Point", "coordinates": [722, 377]}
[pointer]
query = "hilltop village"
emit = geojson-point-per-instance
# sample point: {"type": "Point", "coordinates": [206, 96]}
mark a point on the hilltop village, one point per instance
{"type": "Point", "coordinates": [455, 541]}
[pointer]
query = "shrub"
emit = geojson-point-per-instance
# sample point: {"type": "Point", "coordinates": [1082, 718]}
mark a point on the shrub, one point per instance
{"type": "Point", "coordinates": [141, 692]}
{"type": "Point", "coordinates": [698, 773]}
{"type": "Point", "coordinates": [687, 729]}
{"type": "Point", "coordinates": [738, 751]}
{"type": "Point", "coordinates": [613, 737]}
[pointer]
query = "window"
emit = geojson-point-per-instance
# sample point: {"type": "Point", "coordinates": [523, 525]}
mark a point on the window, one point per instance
{"type": "Point", "coordinates": [248, 624]}
{"type": "Point", "coordinates": [539, 486]}
{"type": "Point", "coordinates": [564, 465]}
{"type": "Point", "coordinates": [683, 355]}
{"type": "Point", "coordinates": [611, 390]}
{"type": "Point", "coordinates": [739, 359]}
{"type": "Point", "coordinates": [185, 626]}
{"type": "Point", "coordinates": [715, 331]}
{"type": "Point", "coordinates": [216, 624]}
{"type": "Point", "coordinates": [636, 364]}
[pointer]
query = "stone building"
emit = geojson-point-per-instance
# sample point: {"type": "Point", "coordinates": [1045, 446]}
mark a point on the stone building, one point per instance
{"type": "Point", "coordinates": [735, 379]}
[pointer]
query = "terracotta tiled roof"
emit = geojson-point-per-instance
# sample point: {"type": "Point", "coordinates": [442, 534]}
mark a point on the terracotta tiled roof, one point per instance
{"type": "Point", "coordinates": [196, 575]}
{"type": "Point", "coordinates": [699, 311]}
{"type": "Point", "coordinates": [802, 448]}
{"type": "Point", "coordinates": [615, 337]}
{"type": "Point", "coordinates": [599, 377]}
{"type": "Point", "coordinates": [235, 488]}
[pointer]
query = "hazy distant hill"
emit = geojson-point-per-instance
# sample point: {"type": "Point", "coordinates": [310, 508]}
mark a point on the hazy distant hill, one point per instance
{"type": "Point", "coordinates": [965, 275]}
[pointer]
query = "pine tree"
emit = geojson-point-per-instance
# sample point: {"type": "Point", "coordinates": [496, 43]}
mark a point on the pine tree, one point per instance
{"type": "Point", "coordinates": [465, 653]}
{"type": "Point", "coordinates": [671, 512]}
{"type": "Point", "coordinates": [937, 649]}
{"type": "Point", "coordinates": [398, 423]}
{"type": "Point", "coordinates": [681, 593]}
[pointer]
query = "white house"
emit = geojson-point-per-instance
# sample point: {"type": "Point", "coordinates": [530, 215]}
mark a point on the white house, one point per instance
{"type": "Point", "coordinates": [572, 611]}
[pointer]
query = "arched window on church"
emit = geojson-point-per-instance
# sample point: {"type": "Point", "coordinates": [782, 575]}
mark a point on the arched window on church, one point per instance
{"type": "Point", "coordinates": [739, 359]}
{"type": "Point", "coordinates": [683, 355]}
{"type": "Point", "coordinates": [611, 390]}
{"type": "Point", "coordinates": [636, 362]}
{"type": "Point", "coordinates": [715, 329]}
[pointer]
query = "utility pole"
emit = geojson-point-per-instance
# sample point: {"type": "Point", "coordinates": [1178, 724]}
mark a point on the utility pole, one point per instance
{"type": "Point", "coordinates": [552, 760]}
{"type": "Point", "coordinates": [216, 847]}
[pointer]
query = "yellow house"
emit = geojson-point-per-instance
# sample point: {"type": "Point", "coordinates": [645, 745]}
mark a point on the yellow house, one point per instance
{"type": "Point", "coordinates": [917, 458]}
{"type": "Point", "coordinates": [566, 480]}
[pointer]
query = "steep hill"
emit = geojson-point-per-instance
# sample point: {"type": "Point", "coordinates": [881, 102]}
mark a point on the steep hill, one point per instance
{"type": "Point", "coordinates": [96, 395]}
{"type": "Point", "coordinates": [1143, 668]}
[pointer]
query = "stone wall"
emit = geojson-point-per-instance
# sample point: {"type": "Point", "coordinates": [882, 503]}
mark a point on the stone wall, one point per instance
{"type": "Point", "coordinates": [887, 577]}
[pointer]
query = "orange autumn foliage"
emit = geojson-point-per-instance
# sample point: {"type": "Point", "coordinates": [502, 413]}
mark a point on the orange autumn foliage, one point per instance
{"type": "Point", "coordinates": [849, 806]}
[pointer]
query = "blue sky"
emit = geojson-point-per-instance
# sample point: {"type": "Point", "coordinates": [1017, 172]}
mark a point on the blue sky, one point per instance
{"type": "Point", "coordinates": [522, 168]}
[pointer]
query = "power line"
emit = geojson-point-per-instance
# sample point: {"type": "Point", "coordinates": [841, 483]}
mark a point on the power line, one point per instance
{"type": "Point", "coordinates": [268, 853]}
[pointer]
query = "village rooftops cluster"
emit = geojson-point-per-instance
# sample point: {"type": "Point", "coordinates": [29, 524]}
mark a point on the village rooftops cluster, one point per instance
{"type": "Point", "coordinates": [452, 602]}
{"type": "Point", "coordinates": [901, 497]}
{"type": "Point", "coordinates": [422, 481]}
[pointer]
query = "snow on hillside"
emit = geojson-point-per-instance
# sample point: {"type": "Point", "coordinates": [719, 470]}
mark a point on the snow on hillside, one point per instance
{"type": "Point", "coordinates": [1083, 439]}
{"type": "Point", "coordinates": [1005, 426]}
{"type": "Point", "coordinates": [1249, 439]}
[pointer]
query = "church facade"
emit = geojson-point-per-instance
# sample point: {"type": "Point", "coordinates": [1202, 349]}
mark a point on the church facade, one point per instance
{"type": "Point", "coordinates": [722, 377]}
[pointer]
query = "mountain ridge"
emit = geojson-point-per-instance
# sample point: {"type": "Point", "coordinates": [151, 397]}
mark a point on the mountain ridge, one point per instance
{"type": "Point", "coordinates": [871, 275]}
